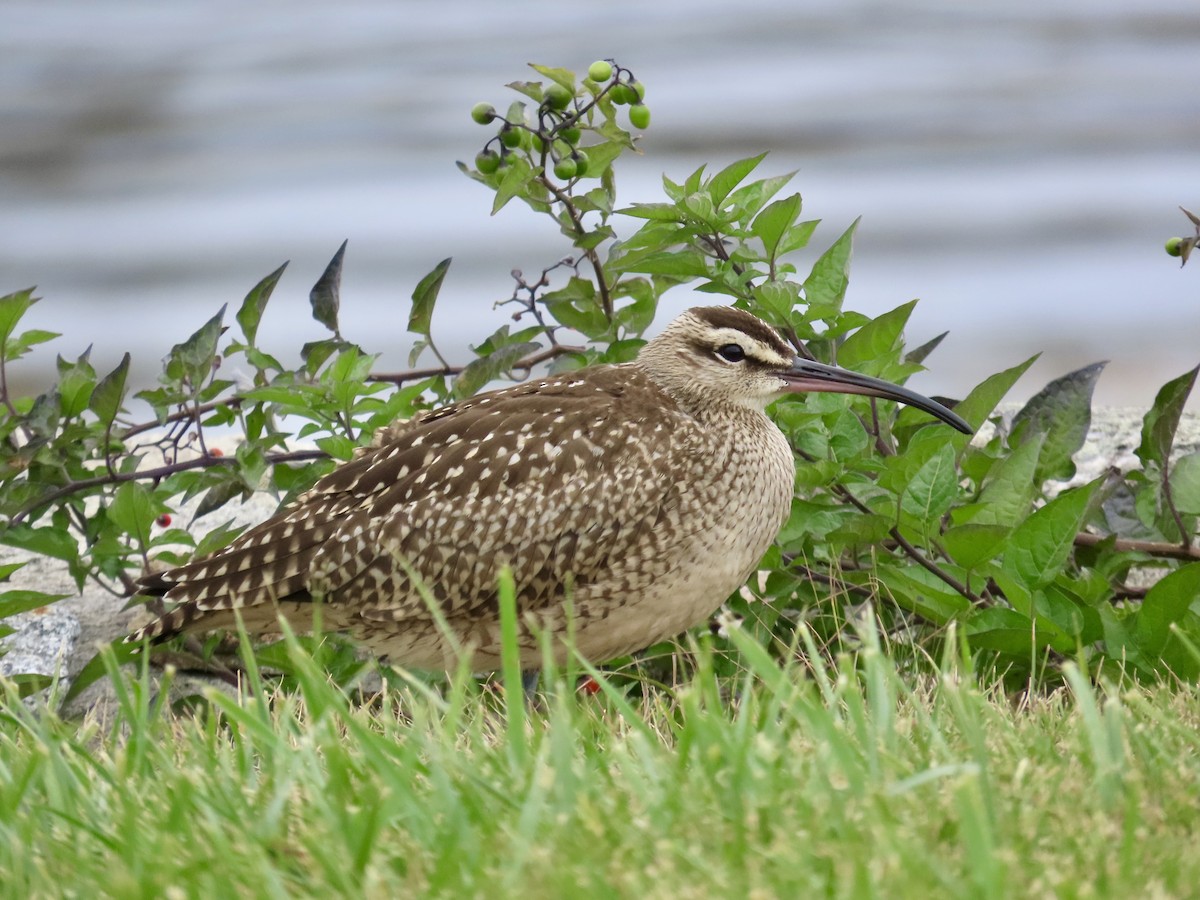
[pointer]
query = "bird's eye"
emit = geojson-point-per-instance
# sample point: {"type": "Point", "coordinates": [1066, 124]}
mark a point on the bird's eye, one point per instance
{"type": "Point", "coordinates": [731, 353]}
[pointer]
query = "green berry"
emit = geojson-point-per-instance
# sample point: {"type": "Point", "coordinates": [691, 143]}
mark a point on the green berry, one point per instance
{"type": "Point", "coordinates": [581, 163]}
{"type": "Point", "coordinates": [487, 162]}
{"type": "Point", "coordinates": [483, 113]}
{"type": "Point", "coordinates": [600, 70]}
{"type": "Point", "coordinates": [621, 94]}
{"type": "Point", "coordinates": [570, 135]}
{"type": "Point", "coordinates": [565, 169]}
{"type": "Point", "coordinates": [557, 96]}
{"type": "Point", "coordinates": [1173, 246]}
{"type": "Point", "coordinates": [510, 137]}
{"type": "Point", "coordinates": [639, 116]}
{"type": "Point", "coordinates": [639, 89]}
{"type": "Point", "coordinates": [536, 144]}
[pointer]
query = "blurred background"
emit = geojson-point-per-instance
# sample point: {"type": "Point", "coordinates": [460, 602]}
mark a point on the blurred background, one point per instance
{"type": "Point", "coordinates": [1017, 164]}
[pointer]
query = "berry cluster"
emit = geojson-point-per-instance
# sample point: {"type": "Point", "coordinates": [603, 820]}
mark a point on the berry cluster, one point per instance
{"type": "Point", "coordinates": [551, 139]}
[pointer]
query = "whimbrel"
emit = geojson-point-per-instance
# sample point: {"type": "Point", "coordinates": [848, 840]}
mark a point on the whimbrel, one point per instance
{"type": "Point", "coordinates": [632, 499]}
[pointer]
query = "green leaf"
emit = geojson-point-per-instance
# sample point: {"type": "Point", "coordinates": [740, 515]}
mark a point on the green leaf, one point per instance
{"type": "Point", "coordinates": [972, 544]}
{"type": "Point", "coordinates": [773, 223]}
{"type": "Point", "coordinates": [825, 287]}
{"type": "Point", "coordinates": [13, 602]}
{"type": "Point", "coordinates": [667, 212]}
{"type": "Point", "coordinates": [919, 354]}
{"type": "Point", "coordinates": [1164, 605]}
{"type": "Point", "coordinates": [565, 77]}
{"type": "Point", "coordinates": [920, 591]}
{"type": "Point", "coordinates": [778, 299]}
{"type": "Point", "coordinates": [686, 263]}
{"type": "Point", "coordinates": [1009, 491]}
{"type": "Point", "coordinates": [980, 403]}
{"type": "Point", "coordinates": [877, 341]}
{"type": "Point", "coordinates": [7, 569]}
{"type": "Point", "coordinates": [109, 394]}
{"type": "Point", "coordinates": [1185, 483]}
{"type": "Point", "coordinates": [797, 237]}
{"type": "Point", "coordinates": [76, 382]}
{"type": "Point", "coordinates": [931, 490]}
{"type": "Point", "coordinates": [325, 295]}
{"type": "Point", "coordinates": [1002, 630]}
{"type": "Point", "coordinates": [12, 308]}
{"type": "Point", "coordinates": [1161, 422]}
{"type": "Point", "coordinates": [479, 372]}
{"type": "Point", "coordinates": [193, 359]}
{"type": "Point", "coordinates": [47, 541]}
{"type": "Point", "coordinates": [220, 494]}
{"type": "Point", "coordinates": [1040, 545]}
{"type": "Point", "coordinates": [424, 296]}
{"type": "Point", "coordinates": [250, 313]}
{"type": "Point", "coordinates": [17, 347]}
{"type": "Point", "coordinates": [134, 509]}
{"type": "Point", "coordinates": [1062, 411]}
{"type": "Point", "coordinates": [517, 174]}
{"type": "Point", "coordinates": [730, 177]}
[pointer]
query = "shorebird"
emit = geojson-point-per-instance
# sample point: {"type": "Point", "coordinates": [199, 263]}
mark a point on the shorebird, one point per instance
{"type": "Point", "coordinates": [628, 502]}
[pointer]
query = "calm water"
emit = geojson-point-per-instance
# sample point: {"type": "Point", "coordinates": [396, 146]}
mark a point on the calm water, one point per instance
{"type": "Point", "coordinates": [1017, 165]}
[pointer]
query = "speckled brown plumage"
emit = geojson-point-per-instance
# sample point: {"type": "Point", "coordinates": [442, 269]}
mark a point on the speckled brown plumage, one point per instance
{"type": "Point", "coordinates": [632, 498]}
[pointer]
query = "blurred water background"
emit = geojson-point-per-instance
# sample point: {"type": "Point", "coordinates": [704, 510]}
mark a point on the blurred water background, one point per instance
{"type": "Point", "coordinates": [1017, 164]}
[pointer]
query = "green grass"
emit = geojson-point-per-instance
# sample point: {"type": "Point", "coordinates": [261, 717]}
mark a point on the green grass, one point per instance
{"type": "Point", "coordinates": [831, 780]}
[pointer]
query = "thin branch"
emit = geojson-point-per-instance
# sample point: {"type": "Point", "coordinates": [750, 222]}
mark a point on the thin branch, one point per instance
{"type": "Point", "coordinates": [525, 363]}
{"type": "Point", "coordinates": [1168, 495]}
{"type": "Point", "coordinates": [606, 302]}
{"type": "Point", "coordinates": [909, 550]}
{"type": "Point", "coordinates": [202, 462]}
{"type": "Point", "coordinates": [184, 415]}
{"type": "Point", "coordinates": [1123, 545]}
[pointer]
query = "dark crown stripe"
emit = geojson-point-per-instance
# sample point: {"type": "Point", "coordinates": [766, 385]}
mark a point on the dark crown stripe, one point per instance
{"type": "Point", "coordinates": [739, 320]}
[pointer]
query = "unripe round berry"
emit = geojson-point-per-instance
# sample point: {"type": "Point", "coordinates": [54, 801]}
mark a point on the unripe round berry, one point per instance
{"type": "Point", "coordinates": [483, 113]}
{"type": "Point", "coordinates": [1173, 246]}
{"type": "Point", "coordinates": [570, 135]}
{"type": "Point", "coordinates": [557, 96]}
{"type": "Point", "coordinates": [639, 89]}
{"type": "Point", "coordinates": [581, 163]}
{"type": "Point", "coordinates": [621, 94]}
{"type": "Point", "coordinates": [487, 162]}
{"type": "Point", "coordinates": [565, 169]}
{"type": "Point", "coordinates": [600, 70]}
{"type": "Point", "coordinates": [639, 116]}
{"type": "Point", "coordinates": [510, 137]}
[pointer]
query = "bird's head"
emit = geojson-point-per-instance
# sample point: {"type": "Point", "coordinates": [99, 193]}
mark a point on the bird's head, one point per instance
{"type": "Point", "coordinates": [719, 354]}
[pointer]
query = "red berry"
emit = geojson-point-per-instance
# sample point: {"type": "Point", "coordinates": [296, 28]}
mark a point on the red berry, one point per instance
{"type": "Point", "coordinates": [216, 451]}
{"type": "Point", "coordinates": [589, 686]}
{"type": "Point", "coordinates": [163, 521]}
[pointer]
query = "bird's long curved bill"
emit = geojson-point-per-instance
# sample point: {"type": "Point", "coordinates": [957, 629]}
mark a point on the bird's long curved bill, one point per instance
{"type": "Point", "coordinates": [808, 376]}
